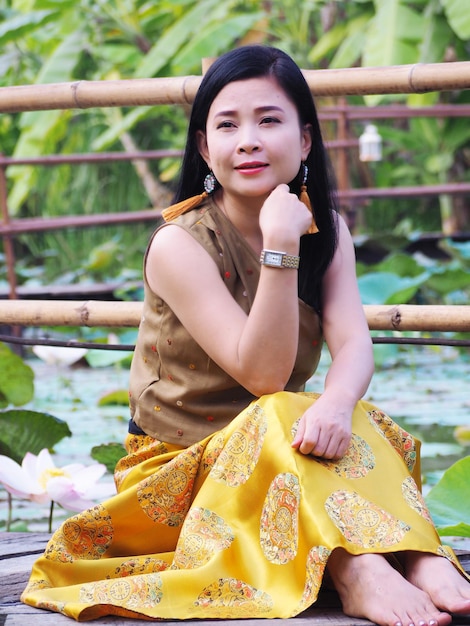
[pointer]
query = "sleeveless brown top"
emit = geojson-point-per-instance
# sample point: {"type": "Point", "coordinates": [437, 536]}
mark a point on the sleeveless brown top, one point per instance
{"type": "Point", "coordinates": [177, 393]}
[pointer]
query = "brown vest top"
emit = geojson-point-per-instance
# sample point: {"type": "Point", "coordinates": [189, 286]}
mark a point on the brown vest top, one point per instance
{"type": "Point", "coordinates": [177, 393]}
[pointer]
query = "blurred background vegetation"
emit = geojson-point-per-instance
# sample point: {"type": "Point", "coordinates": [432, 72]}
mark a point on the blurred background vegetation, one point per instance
{"type": "Point", "coordinates": [47, 41]}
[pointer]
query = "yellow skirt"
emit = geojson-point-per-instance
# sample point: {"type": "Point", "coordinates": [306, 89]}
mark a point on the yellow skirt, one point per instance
{"type": "Point", "coordinates": [238, 525]}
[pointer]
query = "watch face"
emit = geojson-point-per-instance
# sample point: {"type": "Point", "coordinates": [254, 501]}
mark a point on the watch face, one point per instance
{"type": "Point", "coordinates": [273, 258]}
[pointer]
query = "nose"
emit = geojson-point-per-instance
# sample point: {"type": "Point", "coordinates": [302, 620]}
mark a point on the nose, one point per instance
{"type": "Point", "coordinates": [249, 141]}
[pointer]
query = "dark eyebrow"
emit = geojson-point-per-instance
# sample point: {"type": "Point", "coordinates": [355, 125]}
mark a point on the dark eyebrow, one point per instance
{"type": "Point", "coordinates": [263, 109]}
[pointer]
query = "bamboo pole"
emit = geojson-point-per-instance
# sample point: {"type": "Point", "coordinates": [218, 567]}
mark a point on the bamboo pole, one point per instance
{"type": "Point", "coordinates": [70, 313]}
{"type": "Point", "coordinates": [419, 317]}
{"type": "Point", "coordinates": [403, 317]}
{"type": "Point", "coordinates": [417, 78]}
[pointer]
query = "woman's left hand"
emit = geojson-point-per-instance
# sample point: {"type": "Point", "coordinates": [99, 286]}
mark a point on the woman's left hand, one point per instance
{"type": "Point", "coordinates": [324, 430]}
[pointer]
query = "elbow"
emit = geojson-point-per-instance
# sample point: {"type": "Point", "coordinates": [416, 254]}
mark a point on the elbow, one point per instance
{"type": "Point", "coordinates": [266, 385]}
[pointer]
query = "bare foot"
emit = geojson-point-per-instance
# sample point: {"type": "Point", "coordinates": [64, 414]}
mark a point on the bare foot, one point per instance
{"type": "Point", "coordinates": [435, 575]}
{"type": "Point", "coordinates": [370, 587]}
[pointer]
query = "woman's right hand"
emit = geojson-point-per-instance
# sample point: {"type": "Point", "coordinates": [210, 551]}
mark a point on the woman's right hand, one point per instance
{"type": "Point", "coordinates": [283, 219]}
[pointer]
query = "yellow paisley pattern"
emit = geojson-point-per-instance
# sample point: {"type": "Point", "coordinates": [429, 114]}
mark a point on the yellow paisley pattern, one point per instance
{"type": "Point", "coordinates": [279, 519]}
{"type": "Point", "coordinates": [402, 441]}
{"type": "Point", "coordinates": [362, 522]}
{"type": "Point", "coordinates": [166, 495]}
{"type": "Point", "coordinates": [212, 452]}
{"type": "Point", "coordinates": [84, 536]}
{"type": "Point", "coordinates": [203, 534]}
{"type": "Point", "coordinates": [317, 559]}
{"type": "Point", "coordinates": [238, 525]}
{"type": "Point", "coordinates": [414, 498]}
{"type": "Point", "coordinates": [139, 447]}
{"type": "Point", "coordinates": [239, 457]}
{"type": "Point", "coordinates": [358, 461]}
{"type": "Point", "coordinates": [243, 599]}
{"type": "Point", "coordinates": [139, 566]}
{"type": "Point", "coordinates": [131, 592]}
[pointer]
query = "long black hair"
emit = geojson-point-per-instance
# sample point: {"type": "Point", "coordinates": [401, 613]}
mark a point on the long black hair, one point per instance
{"type": "Point", "coordinates": [257, 61]}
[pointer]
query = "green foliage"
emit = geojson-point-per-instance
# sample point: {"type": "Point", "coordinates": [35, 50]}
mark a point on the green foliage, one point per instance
{"type": "Point", "coordinates": [20, 430]}
{"type": "Point", "coordinates": [108, 454]}
{"type": "Point", "coordinates": [458, 16]}
{"type": "Point", "coordinates": [401, 279]}
{"type": "Point", "coordinates": [388, 288]}
{"type": "Point", "coordinates": [118, 397]}
{"type": "Point", "coordinates": [29, 431]}
{"type": "Point", "coordinates": [449, 507]}
{"type": "Point", "coordinates": [16, 379]}
{"type": "Point", "coordinates": [105, 358]}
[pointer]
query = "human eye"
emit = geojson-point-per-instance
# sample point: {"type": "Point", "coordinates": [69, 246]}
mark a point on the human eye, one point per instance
{"type": "Point", "coordinates": [225, 124]}
{"type": "Point", "coordinates": [270, 119]}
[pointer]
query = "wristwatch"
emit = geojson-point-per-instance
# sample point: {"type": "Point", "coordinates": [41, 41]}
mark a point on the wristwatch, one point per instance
{"type": "Point", "coordinates": [274, 258]}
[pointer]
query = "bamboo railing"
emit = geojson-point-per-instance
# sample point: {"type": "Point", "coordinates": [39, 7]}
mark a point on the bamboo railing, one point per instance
{"type": "Point", "coordinates": [82, 94]}
{"type": "Point", "coordinates": [418, 78]}
{"type": "Point", "coordinates": [96, 313]}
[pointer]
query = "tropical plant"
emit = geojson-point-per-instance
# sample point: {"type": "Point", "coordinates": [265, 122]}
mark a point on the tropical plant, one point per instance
{"type": "Point", "coordinates": [26, 437]}
{"type": "Point", "coordinates": [449, 501]}
{"type": "Point", "coordinates": [49, 41]}
{"type": "Point", "coordinates": [21, 430]}
{"type": "Point", "coordinates": [403, 278]}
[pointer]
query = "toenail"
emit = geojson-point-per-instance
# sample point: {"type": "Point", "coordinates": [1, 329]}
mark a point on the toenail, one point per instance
{"type": "Point", "coordinates": [398, 624]}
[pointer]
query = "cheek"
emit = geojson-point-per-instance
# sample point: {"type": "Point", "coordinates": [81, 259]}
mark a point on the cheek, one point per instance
{"type": "Point", "coordinates": [219, 159]}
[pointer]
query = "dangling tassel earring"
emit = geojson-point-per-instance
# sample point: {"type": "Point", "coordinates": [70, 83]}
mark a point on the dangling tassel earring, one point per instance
{"type": "Point", "coordinates": [175, 210]}
{"type": "Point", "coordinates": [304, 197]}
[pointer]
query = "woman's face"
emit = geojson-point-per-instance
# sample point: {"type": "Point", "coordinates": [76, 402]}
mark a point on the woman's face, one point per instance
{"type": "Point", "coordinates": [253, 140]}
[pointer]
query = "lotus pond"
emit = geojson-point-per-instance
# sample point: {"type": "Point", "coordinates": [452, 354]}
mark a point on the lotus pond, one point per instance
{"type": "Point", "coordinates": [424, 389]}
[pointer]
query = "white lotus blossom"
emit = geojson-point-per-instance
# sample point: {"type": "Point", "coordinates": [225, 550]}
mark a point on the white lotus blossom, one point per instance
{"type": "Point", "coordinates": [73, 486]}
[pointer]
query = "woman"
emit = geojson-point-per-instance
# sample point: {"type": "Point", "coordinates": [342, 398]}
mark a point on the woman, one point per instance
{"type": "Point", "coordinates": [241, 493]}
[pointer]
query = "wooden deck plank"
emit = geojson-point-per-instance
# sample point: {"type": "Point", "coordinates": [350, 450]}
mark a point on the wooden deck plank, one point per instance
{"type": "Point", "coordinates": [18, 551]}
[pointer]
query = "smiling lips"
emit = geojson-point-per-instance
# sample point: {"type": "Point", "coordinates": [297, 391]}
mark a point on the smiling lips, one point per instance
{"type": "Point", "coordinates": [252, 167]}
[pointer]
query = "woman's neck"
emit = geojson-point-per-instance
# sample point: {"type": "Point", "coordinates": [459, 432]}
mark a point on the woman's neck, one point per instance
{"type": "Point", "coordinates": [244, 215]}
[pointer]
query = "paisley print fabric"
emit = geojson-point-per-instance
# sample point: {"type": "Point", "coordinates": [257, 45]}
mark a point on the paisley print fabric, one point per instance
{"type": "Point", "coordinates": [362, 522]}
{"type": "Point", "coordinates": [279, 519]}
{"type": "Point", "coordinates": [239, 457]}
{"type": "Point", "coordinates": [238, 525]}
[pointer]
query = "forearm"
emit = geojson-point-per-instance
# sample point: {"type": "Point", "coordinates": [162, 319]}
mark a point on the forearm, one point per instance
{"type": "Point", "coordinates": [351, 371]}
{"type": "Point", "coordinates": [268, 344]}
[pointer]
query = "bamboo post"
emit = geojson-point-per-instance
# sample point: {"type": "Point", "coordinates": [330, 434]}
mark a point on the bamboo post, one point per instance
{"type": "Point", "coordinates": [91, 313]}
{"type": "Point", "coordinates": [343, 163]}
{"type": "Point", "coordinates": [7, 238]}
{"type": "Point", "coordinates": [417, 78]}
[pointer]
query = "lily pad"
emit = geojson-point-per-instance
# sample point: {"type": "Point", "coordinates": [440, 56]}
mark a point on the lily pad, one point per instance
{"type": "Point", "coordinates": [119, 397]}
{"type": "Point", "coordinates": [108, 454]}
{"type": "Point", "coordinates": [16, 379]}
{"type": "Point", "coordinates": [449, 500]}
{"type": "Point", "coordinates": [29, 431]}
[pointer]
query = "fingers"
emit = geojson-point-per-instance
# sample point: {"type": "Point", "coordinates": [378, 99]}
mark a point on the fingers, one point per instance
{"type": "Point", "coordinates": [316, 442]}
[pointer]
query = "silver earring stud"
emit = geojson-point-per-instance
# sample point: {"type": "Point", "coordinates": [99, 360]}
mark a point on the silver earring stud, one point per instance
{"type": "Point", "coordinates": [210, 182]}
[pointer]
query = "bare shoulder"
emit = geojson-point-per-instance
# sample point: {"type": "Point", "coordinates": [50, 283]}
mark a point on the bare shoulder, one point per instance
{"type": "Point", "coordinates": [169, 239]}
{"type": "Point", "coordinates": [176, 258]}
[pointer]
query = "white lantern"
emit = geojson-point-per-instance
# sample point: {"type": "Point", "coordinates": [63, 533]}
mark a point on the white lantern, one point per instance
{"type": "Point", "coordinates": [370, 144]}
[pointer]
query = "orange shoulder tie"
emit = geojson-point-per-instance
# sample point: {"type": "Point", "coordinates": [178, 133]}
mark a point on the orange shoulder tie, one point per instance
{"type": "Point", "coordinates": [304, 197]}
{"type": "Point", "coordinates": [175, 210]}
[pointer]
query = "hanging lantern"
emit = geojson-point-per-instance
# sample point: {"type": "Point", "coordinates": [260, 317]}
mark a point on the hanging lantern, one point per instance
{"type": "Point", "coordinates": [370, 144]}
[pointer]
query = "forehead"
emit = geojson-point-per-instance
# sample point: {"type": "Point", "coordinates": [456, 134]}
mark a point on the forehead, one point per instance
{"type": "Point", "coordinates": [251, 93]}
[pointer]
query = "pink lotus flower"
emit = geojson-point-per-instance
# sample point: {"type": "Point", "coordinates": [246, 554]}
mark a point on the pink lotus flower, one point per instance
{"type": "Point", "coordinates": [39, 480]}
